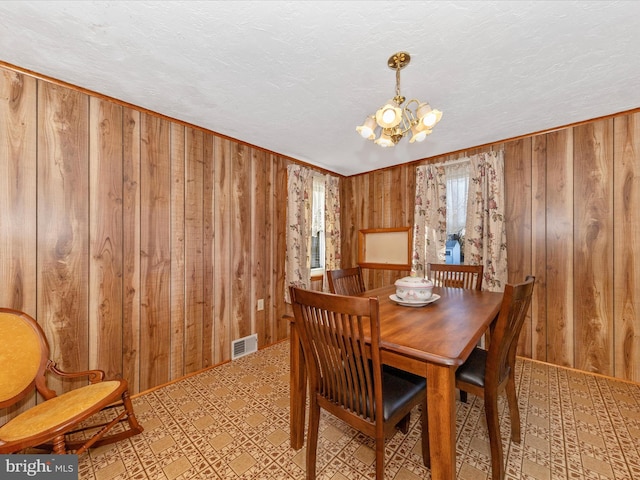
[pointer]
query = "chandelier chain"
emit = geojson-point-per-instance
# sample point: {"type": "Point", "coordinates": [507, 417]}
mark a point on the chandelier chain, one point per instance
{"type": "Point", "coordinates": [398, 95]}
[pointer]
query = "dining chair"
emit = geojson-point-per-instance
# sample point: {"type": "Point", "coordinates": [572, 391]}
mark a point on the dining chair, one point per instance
{"type": "Point", "coordinates": [454, 275]}
{"type": "Point", "coordinates": [24, 365]}
{"type": "Point", "coordinates": [346, 281]}
{"type": "Point", "coordinates": [457, 276]}
{"type": "Point", "coordinates": [340, 340]}
{"type": "Point", "coordinates": [488, 373]}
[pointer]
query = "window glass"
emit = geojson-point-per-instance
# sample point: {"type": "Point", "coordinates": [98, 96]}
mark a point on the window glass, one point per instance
{"type": "Point", "coordinates": [457, 176]}
{"type": "Point", "coordinates": [317, 224]}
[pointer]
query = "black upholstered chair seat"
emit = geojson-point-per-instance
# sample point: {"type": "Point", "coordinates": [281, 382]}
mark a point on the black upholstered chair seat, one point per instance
{"type": "Point", "coordinates": [399, 388]}
{"type": "Point", "coordinates": [473, 369]}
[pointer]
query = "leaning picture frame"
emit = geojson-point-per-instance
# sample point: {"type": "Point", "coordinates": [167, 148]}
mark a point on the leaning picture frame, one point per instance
{"type": "Point", "coordinates": [385, 248]}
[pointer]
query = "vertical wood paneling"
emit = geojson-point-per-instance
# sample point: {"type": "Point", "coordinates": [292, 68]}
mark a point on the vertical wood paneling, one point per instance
{"type": "Point", "coordinates": [18, 192]}
{"type": "Point", "coordinates": [539, 246]}
{"type": "Point", "coordinates": [593, 237]}
{"type": "Point", "coordinates": [266, 330]}
{"type": "Point", "coordinates": [410, 193]}
{"type": "Point", "coordinates": [194, 234]}
{"type": "Point", "coordinates": [222, 249]}
{"type": "Point", "coordinates": [193, 222]}
{"type": "Point", "coordinates": [349, 198]}
{"type": "Point", "coordinates": [105, 249]}
{"type": "Point", "coordinates": [363, 221]}
{"type": "Point", "coordinates": [377, 218]}
{"type": "Point", "coordinates": [559, 247]}
{"type": "Point", "coordinates": [626, 262]}
{"type": "Point", "coordinates": [517, 171]}
{"type": "Point", "coordinates": [180, 256]}
{"type": "Point", "coordinates": [240, 281]}
{"type": "Point", "coordinates": [394, 209]}
{"type": "Point", "coordinates": [258, 241]}
{"type": "Point", "coordinates": [348, 233]}
{"type": "Point", "coordinates": [63, 225]}
{"type": "Point", "coordinates": [280, 325]}
{"type": "Point", "coordinates": [131, 246]}
{"type": "Point", "coordinates": [208, 254]}
{"type": "Point", "coordinates": [155, 244]}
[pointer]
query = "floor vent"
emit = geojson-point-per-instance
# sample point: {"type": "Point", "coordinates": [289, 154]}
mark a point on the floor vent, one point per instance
{"type": "Point", "coordinates": [244, 346]}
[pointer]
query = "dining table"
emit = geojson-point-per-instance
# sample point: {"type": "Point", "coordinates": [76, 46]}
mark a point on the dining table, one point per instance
{"type": "Point", "coordinates": [430, 340]}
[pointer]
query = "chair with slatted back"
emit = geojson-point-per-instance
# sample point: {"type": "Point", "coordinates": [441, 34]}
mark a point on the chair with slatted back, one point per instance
{"type": "Point", "coordinates": [457, 276]}
{"type": "Point", "coordinates": [24, 364]}
{"type": "Point", "coordinates": [346, 281]}
{"type": "Point", "coordinates": [488, 373]}
{"type": "Point", "coordinates": [346, 377]}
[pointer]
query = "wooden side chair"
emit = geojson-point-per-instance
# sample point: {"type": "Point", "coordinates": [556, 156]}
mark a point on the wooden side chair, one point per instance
{"type": "Point", "coordinates": [24, 363]}
{"type": "Point", "coordinates": [346, 281]}
{"type": "Point", "coordinates": [488, 373]}
{"type": "Point", "coordinates": [346, 377]}
{"type": "Point", "coordinates": [457, 276]}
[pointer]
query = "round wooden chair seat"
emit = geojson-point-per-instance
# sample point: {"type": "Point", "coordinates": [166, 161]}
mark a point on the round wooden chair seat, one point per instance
{"type": "Point", "coordinates": [60, 410]}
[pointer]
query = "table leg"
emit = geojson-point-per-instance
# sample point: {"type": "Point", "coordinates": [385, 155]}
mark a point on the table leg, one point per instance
{"type": "Point", "coordinates": [298, 390]}
{"type": "Point", "coordinates": [442, 420]}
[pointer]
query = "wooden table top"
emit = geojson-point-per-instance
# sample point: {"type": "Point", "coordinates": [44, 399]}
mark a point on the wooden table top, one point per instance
{"type": "Point", "coordinates": [444, 331]}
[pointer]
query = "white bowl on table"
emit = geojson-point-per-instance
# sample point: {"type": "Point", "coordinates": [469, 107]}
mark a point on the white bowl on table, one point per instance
{"type": "Point", "coordinates": [414, 289]}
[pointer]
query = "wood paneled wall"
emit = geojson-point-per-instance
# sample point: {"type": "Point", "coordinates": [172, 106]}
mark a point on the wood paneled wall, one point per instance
{"type": "Point", "coordinates": [142, 244]}
{"type": "Point", "coordinates": [573, 221]}
{"type": "Point", "coordinates": [139, 243]}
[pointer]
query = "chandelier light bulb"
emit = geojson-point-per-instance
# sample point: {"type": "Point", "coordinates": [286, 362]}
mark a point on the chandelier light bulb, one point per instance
{"type": "Point", "coordinates": [385, 140]}
{"type": "Point", "coordinates": [429, 120]}
{"type": "Point", "coordinates": [419, 133]}
{"type": "Point", "coordinates": [389, 116]}
{"type": "Point", "coordinates": [366, 130]}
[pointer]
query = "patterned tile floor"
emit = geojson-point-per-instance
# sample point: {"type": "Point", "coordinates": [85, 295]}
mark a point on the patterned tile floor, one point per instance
{"type": "Point", "coordinates": [232, 422]}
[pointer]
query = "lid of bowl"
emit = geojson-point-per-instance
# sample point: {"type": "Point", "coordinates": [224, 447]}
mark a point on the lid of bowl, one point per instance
{"type": "Point", "coordinates": [412, 281]}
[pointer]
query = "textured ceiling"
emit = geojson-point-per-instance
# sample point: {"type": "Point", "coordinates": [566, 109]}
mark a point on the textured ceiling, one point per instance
{"type": "Point", "coordinates": [297, 77]}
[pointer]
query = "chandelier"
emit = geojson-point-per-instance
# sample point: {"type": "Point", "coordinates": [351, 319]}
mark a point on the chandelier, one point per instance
{"type": "Point", "coordinates": [396, 121]}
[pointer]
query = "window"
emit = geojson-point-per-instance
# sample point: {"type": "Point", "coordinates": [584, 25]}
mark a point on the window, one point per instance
{"type": "Point", "coordinates": [317, 224]}
{"type": "Point", "coordinates": [457, 187]}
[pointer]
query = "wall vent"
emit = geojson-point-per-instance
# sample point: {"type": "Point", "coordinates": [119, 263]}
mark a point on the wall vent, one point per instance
{"type": "Point", "coordinates": [244, 346]}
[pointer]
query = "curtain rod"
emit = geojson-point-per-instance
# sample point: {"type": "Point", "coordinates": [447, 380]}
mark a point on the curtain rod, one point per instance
{"type": "Point", "coordinates": [453, 162]}
{"type": "Point", "coordinates": [459, 160]}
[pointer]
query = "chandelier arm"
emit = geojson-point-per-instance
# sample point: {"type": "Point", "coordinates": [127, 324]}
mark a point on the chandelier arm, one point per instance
{"type": "Point", "coordinates": [413, 100]}
{"type": "Point", "coordinates": [406, 125]}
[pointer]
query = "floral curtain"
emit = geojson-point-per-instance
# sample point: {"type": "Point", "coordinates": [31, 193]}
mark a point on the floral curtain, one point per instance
{"type": "Point", "coordinates": [297, 260]}
{"type": "Point", "coordinates": [299, 223]}
{"type": "Point", "coordinates": [485, 238]}
{"type": "Point", "coordinates": [332, 226]}
{"type": "Point", "coordinates": [430, 217]}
